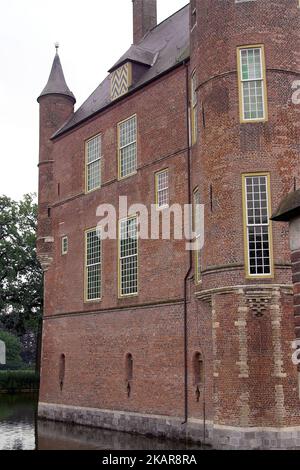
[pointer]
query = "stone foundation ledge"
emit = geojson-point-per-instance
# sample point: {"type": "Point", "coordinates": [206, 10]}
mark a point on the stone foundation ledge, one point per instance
{"type": "Point", "coordinates": [150, 425]}
{"type": "Point", "coordinates": [218, 436]}
{"type": "Point", "coordinates": [230, 437]}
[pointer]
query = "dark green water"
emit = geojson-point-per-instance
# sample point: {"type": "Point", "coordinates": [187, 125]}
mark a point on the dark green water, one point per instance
{"type": "Point", "coordinates": [19, 430]}
{"type": "Point", "coordinates": [17, 417]}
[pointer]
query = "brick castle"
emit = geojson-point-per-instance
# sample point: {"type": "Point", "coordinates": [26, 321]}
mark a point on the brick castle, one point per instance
{"type": "Point", "coordinates": [144, 335]}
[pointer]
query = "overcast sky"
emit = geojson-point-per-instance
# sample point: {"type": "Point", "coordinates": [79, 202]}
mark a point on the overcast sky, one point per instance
{"type": "Point", "coordinates": [93, 34]}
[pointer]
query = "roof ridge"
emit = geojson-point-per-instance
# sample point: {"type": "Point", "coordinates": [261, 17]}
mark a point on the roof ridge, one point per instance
{"type": "Point", "coordinates": [163, 21]}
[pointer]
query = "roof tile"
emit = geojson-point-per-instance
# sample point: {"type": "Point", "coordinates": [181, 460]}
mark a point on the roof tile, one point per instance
{"type": "Point", "coordinates": [168, 43]}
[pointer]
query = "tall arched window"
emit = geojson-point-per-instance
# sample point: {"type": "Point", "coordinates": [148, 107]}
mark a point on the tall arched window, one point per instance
{"type": "Point", "coordinates": [198, 369]}
{"type": "Point", "coordinates": [129, 367]}
{"type": "Point", "coordinates": [62, 370]}
{"type": "Point", "coordinates": [129, 373]}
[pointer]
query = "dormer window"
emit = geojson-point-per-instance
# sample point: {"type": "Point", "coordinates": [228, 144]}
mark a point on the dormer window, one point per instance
{"type": "Point", "coordinates": [121, 80]}
{"type": "Point", "coordinates": [129, 69]}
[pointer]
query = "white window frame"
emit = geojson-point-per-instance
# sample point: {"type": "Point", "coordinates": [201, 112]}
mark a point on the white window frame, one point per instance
{"type": "Point", "coordinates": [87, 266]}
{"type": "Point", "coordinates": [248, 225]}
{"type": "Point", "coordinates": [64, 245]}
{"type": "Point", "coordinates": [261, 79]}
{"type": "Point", "coordinates": [121, 148]}
{"type": "Point", "coordinates": [89, 164]}
{"type": "Point", "coordinates": [159, 190]}
{"type": "Point", "coordinates": [121, 258]}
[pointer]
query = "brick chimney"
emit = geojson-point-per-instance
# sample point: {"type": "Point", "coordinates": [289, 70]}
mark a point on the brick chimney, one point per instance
{"type": "Point", "coordinates": [144, 18]}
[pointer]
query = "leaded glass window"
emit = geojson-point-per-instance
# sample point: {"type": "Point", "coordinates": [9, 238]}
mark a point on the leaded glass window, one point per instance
{"type": "Point", "coordinates": [127, 147]}
{"type": "Point", "coordinates": [93, 264]}
{"type": "Point", "coordinates": [64, 245]}
{"type": "Point", "coordinates": [128, 257]}
{"type": "Point", "coordinates": [258, 225]}
{"type": "Point", "coordinates": [252, 86]}
{"type": "Point", "coordinates": [93, 163]}
{"type": "Point", "coordinates": [162, 189]}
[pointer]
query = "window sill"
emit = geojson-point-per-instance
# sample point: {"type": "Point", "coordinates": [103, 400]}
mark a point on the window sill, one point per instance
{"type": "Point", "coordinates": [121, 178]}
{"type": "Point", "coordinates": [127, 296]}
{"type": "Point", "coordinates": [94, 301]}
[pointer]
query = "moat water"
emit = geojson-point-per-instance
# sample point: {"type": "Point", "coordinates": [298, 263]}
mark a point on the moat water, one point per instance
{"type": "Point", "coordinates": [20, 430]}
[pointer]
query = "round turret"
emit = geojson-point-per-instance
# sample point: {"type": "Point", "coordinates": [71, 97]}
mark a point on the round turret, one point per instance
{"type": "Point", "coordinates": [246, 58]}
{"type": "Point", "coordinates": [56, 107]}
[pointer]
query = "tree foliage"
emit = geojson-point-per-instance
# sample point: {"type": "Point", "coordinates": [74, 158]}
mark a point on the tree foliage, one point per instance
{"type": "Point", "coordinates": [20, 271]}
{"type": "Point", "coordinates": [13, 348]}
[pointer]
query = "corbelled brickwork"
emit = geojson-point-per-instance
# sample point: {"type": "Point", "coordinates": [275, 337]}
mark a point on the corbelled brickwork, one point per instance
{"type": "Point", "coordinates": [242, 327]}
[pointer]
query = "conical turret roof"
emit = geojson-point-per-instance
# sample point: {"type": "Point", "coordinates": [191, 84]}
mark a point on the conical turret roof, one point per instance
{"type": "Point", "coordinates": [56, 83]}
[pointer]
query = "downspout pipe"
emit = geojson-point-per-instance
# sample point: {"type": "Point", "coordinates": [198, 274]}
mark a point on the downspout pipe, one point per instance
{"type": "Point", "coordinates": [190, 267]}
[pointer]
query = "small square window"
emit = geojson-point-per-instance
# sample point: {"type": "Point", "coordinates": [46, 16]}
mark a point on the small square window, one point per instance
{"type": "Point", "coordinates": [64, 245]}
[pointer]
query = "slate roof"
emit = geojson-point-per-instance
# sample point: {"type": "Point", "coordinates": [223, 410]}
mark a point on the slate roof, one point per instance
{"type": "Point", "coordinates": [56, 84]}
{"type": "Point", "coordinates": [164, 47]}
{"type": "Point", "coordinates": [288, 208]}
{"type": "Point", "coordinates": [136, 54]}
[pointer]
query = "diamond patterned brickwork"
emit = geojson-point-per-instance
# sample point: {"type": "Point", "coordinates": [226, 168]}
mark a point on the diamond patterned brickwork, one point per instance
{"type": "Point", "coordinates": [120, 81]}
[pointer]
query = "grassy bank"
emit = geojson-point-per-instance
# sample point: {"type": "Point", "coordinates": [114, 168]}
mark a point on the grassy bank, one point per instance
{"type": "Point", "coordinates": [13, 381]}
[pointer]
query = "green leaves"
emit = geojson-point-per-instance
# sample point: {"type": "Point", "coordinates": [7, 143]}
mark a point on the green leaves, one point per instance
{"type": "Point", "coordinates": [20, 272]}
{"type": "Point", "coordinates": [13, 348]}
{"type": "Point", "coordinates": [17, 381]}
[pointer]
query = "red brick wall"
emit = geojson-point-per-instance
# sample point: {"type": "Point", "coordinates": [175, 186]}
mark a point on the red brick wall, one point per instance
{"type": "Point", "coordinates": [96, 345]}
{"type": "Point", "coordinates": [161, 143]}
{"type": "Point", "coordinates": [225, 150]}
{"type": "Point", "coordinates": [54, 111]}
{"type": "Point", "coordinates": [296, 283]}
{"type": "Point", "coordinates": [221, 325]}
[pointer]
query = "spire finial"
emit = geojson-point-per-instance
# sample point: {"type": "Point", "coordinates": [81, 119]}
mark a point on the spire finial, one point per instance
{"type": "Point", "coordinates": [56, 84]}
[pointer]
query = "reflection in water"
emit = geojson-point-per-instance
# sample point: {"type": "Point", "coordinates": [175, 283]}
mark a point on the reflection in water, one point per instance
{"type": "Point", "coordinates": [17, 415]}
{"type": "Point", "coordinates": [18, 431]}
{"type": "Point", "coordinates": [70, 437]}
